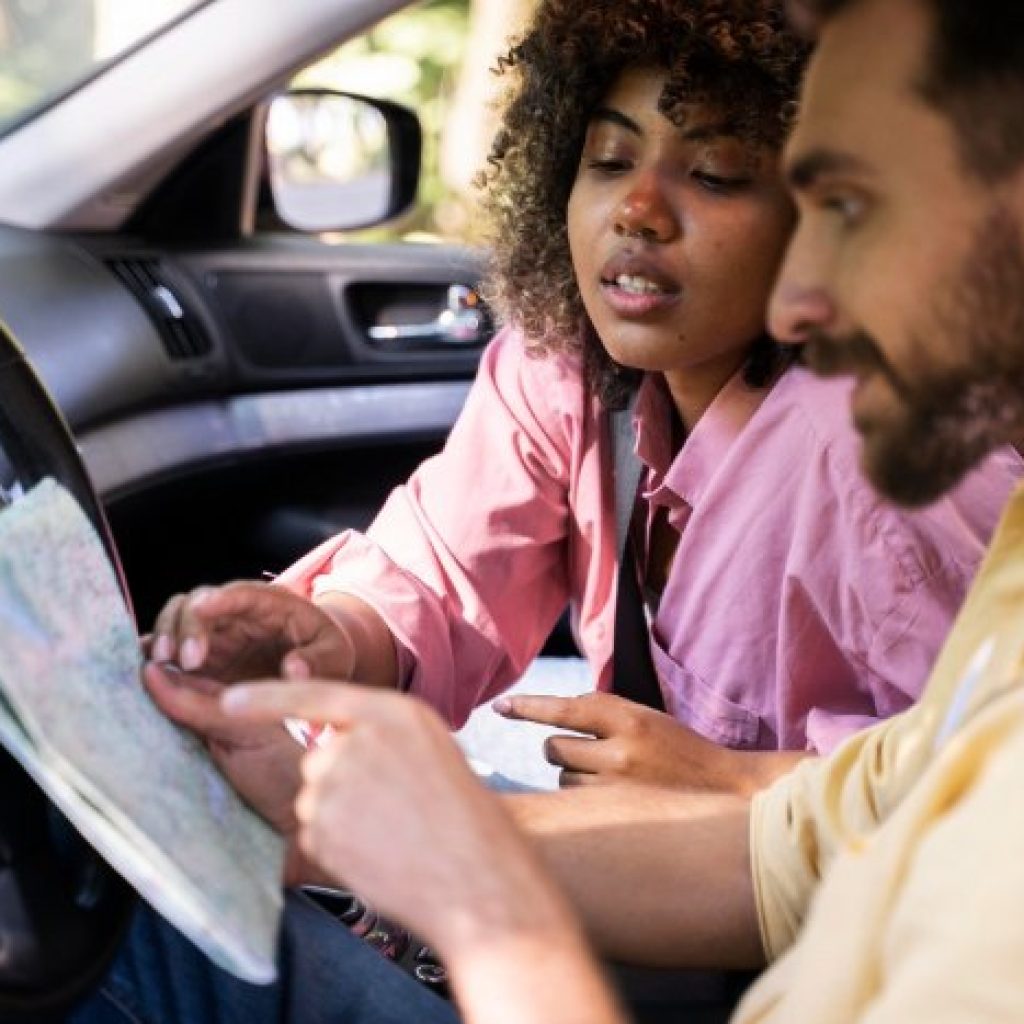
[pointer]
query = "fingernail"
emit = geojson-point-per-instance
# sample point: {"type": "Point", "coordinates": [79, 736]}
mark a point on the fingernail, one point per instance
{"type": "Point", "coordinates": [161, 648]}
{"type": "Point", "coordinates": [235, 698]}
{"type": "Point", "coordinates": [503, 706]}
{"type": "Point", "coordinates": [295, 667]}
{"type": "Point", "coordinates": [191, 656]}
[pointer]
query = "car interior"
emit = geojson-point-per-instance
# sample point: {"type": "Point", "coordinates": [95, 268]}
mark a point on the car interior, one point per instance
{"type": "Point", "coordinates": [195, 347]}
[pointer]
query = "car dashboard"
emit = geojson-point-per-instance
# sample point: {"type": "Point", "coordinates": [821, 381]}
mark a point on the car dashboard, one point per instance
{"type": "Point", "coordinates": [236, 405]}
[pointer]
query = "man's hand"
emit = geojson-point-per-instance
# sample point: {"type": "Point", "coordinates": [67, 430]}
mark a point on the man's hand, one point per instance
{"type": "Point", "coordinates": [628, 742]}
{"type": "Point", "coordinates": [251, 630]}
{"type": "Point", "coordinates": [386, 792]}
{"type": "Point", "coordinates": [389, 807]}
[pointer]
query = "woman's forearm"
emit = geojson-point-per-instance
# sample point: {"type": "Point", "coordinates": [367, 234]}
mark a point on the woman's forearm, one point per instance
{"type": "Point", "coordinates": [376, 656]}
{"type": "Point", "coordinates": [755, 770]}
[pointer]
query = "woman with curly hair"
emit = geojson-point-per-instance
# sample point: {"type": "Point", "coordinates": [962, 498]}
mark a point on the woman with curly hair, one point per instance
{"type": "Point", "coordinates": [638, 218]}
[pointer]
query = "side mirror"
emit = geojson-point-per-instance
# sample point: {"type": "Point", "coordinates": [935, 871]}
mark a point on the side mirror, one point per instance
{"type": "Point", "coordinates": [338, 161]}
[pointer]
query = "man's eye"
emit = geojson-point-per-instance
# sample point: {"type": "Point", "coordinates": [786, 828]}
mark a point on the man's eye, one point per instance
{"type": "Point", "coordinates": [720, 182]}
{"type": "Point", "coordinates": [848, 207]}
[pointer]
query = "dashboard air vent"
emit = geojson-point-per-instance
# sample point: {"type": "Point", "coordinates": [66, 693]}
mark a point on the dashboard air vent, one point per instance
{"type": "Point", "coordinates": [180, 330]}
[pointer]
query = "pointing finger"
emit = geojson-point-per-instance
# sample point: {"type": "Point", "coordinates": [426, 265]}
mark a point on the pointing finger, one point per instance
{"type": "Point", "coordinates": [594, 713]}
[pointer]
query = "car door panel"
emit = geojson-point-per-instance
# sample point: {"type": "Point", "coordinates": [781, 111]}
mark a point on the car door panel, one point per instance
{"type": "Point", "coordinates": [229, 402]}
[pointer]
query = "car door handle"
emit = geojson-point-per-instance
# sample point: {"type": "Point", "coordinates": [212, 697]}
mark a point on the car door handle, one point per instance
{"type": "Point", "coordinates": [462, 322]}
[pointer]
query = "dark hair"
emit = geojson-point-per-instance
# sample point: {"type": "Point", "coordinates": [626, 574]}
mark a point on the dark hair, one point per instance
{"type": "Point", "coordinates": [974, 74]}
{"type": "Point", "coordinates": [738, 55]}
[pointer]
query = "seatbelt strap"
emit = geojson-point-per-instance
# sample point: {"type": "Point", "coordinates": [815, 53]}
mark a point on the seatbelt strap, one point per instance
{"type": "Point", "coordinates": [633, 674]}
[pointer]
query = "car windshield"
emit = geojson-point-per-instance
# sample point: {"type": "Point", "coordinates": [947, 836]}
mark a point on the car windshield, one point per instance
{"type": "Point", "coordinates": [50, 47]}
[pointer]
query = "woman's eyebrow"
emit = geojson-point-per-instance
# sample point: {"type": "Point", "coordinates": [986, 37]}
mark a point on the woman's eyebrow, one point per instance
{"type": "Point", "coordinates": [708, 132]}
{"type": "Point", "coordinates": [609, 115]}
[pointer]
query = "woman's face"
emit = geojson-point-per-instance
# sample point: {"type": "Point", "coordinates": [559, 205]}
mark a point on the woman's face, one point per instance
{"type": "Point", "coordinates": [675, 233]}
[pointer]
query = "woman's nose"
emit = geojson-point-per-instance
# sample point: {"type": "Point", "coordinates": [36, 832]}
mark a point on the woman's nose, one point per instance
{"type": "Point", "coordinates": [645, 212]}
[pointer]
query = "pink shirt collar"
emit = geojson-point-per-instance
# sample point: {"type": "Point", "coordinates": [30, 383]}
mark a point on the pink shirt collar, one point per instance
{"type": "Point", "coordinates": [686, 478]}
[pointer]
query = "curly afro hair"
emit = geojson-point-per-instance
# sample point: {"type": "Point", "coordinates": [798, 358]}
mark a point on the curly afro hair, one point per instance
{"type": "Point", "coordinates": [739, 56]}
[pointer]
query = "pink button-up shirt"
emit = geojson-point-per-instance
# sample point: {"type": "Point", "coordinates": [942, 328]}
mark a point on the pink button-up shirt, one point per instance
{"type": "Point", "coordinates": [799, 607]}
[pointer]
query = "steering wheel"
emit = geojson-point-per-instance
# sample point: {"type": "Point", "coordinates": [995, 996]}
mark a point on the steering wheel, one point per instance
{"type": "Point", "coordinates": [62, 909]}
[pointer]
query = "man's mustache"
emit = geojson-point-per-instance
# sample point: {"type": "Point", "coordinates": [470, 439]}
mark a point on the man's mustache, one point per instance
{"type": "Point", "coordinates": [830, 356]}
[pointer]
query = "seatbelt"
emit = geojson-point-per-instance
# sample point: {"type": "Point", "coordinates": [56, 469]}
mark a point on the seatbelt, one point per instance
{"type": "Point", "coordinates": [710, 994]}
{"type": "Point", "coordinates": [633, 674]}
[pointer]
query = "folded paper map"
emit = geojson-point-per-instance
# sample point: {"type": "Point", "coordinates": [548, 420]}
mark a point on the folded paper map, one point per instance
{"type": "Point", "coordinates": [143, 792]}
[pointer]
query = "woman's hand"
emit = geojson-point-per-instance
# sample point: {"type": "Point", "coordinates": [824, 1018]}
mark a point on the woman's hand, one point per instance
{"type": "Point", "coordinates": [628, 742]}
{"type": "Point", "coordinates": [214, 637]}
{"type": "Point", "coordinates": [251, 630]}
{"type": "Point", "coordinates": [260, 761]}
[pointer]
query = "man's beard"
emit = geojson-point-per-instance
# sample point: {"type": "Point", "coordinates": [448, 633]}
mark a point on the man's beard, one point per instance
{"type": "Point", "coordinates": [949, 418]}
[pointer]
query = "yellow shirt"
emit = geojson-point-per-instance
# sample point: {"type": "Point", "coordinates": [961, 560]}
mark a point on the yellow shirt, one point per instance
{"type": "Point", "coordinates": [899, 860]}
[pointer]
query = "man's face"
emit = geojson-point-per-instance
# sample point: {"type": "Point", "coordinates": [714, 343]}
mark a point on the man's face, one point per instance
{"type": "Point", "coordinates": [905, 271]}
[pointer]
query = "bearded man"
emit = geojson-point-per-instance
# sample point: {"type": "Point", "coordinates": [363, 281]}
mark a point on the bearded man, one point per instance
{"type": "Point", "coordinates": [882, 883]}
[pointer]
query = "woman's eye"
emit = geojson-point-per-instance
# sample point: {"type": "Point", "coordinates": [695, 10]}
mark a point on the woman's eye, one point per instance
{"type": "Point", "coordinates": [721, 182]}
{"type": "Point", "coordinates": [608, 165]}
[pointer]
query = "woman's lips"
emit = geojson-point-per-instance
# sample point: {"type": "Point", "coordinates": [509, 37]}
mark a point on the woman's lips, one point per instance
{"type": "Point", "coordinates": [630, 303]}
{"type": "Point", "coordinates": [636, 284]}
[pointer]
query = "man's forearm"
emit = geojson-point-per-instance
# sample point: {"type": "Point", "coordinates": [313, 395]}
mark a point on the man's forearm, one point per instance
{"type": "Point", "coordinates": [514, 949]}
{"type": "Point", "coordinates": [659, 878]}
{"type": "Point", "coordinates": [524, 978]}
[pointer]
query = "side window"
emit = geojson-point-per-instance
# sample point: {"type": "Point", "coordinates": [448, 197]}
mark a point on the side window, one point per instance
{"type": "Point", "coordinates": [47, 46]}
{"type": "Point", "coordinates": [436, 58]}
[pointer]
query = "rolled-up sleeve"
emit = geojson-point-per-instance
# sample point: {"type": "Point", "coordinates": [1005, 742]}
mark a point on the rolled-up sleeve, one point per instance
{"type": "Point", "coordinates": [954, 935]}
{"type": "Point", "coordinates": [466, 562]}
{"type": "Point", "coordinates": [800, 823]}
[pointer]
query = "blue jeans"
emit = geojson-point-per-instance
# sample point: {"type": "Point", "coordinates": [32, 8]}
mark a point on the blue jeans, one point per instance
{"type": "Point", "coordinates": [325, 975]}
